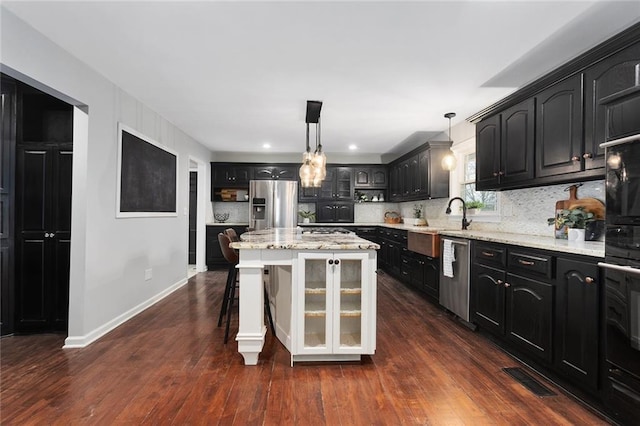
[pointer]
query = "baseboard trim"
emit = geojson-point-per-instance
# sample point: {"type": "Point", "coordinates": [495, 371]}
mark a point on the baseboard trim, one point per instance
{"type": "Point", "coordinates": [74, 342]}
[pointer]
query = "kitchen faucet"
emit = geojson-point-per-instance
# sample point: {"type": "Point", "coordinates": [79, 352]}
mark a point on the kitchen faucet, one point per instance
{"type": "Point", "coordinates": [465, 222]}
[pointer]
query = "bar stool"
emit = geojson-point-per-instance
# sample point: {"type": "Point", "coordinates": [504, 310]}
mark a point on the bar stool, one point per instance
{"type": "Point", "coordinates": [231, 256]}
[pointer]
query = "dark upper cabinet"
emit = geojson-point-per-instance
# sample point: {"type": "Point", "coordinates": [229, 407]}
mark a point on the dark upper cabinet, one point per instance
{"type": "Point", "coordinates": [231, 174]}
{"type": "Point", "coordinates": [577, 317]}
{"type": "Point", "coordinates": [505, 152]}
{"type": "Point", "coordinates": [338, 185]}
{"type": "Point", "coordinates": [516, 145]}
{"type": "Point", "coordinates": [488, 153]}
{"type": "Point", "coordinates": [370, 177]}
{"type": "Point", "coordinates": [334, 211]}
{"type": "Point", "coordinates": [559, 147]}
{"type": "Point", "coordinates": [607, 82]}
{"type": "Point", "coordinates": [276, 172]}
{"type": "Point", "coordinates": [419, 174]}
{"type": "Point", "coordinates": [395, 191]}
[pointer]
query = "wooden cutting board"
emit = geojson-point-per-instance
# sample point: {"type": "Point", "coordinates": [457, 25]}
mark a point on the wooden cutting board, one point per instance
{"type": "Point", "coordinates": [592, 205]}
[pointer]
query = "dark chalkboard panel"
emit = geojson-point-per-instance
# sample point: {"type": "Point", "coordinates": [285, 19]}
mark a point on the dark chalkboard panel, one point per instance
{"type": "Point", "coordinates": [148, 176]}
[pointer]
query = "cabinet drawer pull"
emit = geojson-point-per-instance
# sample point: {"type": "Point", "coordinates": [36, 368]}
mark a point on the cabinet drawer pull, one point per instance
{"type": "Point", "coordinates": [488, 254]}
{"type": "Point", "coordinates": [589, 280]}
{"type": "Point", "coordinates": [526, 262]}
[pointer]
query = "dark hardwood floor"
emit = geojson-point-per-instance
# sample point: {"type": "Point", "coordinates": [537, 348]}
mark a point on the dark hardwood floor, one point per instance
{"type": "Point", "coordinates": [168, 365]}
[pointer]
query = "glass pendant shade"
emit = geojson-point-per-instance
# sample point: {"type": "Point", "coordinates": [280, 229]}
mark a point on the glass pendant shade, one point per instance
{"type": "Point", "coordinates": [314, 165]}
{"type": "Point", "coordinates": [449, 162]}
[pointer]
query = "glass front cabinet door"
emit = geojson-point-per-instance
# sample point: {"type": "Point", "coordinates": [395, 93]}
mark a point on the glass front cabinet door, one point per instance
{"type": "Point", "coordinates": [336, 310]}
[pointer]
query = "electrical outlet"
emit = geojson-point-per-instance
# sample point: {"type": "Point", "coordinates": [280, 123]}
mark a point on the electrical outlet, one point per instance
{"type": "Point", "coordinates": [148, 274]}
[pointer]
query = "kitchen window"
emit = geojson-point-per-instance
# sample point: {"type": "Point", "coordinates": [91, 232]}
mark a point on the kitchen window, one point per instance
{"type": "Point", "coordinates": [463, 183]}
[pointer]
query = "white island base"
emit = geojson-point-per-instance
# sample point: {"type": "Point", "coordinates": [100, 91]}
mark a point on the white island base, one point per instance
{"type": "Point", "coordinates": [322, 292]}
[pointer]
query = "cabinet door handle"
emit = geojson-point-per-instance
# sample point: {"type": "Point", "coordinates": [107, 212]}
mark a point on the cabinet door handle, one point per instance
{"type": "Point", "coordinates": [526, 262]}
{"type": "Point", "coordinates": [488, 254]}
{"type": "Point", "coordinates": [500, 173]}
{"type": "Point", "coordinates": [499, 282]}
{"type": "Point", "coordinates": [337, 261]}
{"type": "Point", "coordinates": [587, 155]}
{"type": "Point", "coordinates": [575, 158]}
{"type": "Point", "coordinates": [589, 280]}
{"type": "Point", "coordinates": [507, 285]}
{"type": "Point", "coordinates": [330, 261]}
{"type": "Point", "coordinates": [46, 235]}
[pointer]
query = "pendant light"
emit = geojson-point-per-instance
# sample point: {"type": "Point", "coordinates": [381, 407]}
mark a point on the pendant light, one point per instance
{"type": "Point", "coordinates": [314, 165]}
{"type": "Point", "coordinates": [449, 160]}
{"type": "Point", "coordinates": [306, 170]}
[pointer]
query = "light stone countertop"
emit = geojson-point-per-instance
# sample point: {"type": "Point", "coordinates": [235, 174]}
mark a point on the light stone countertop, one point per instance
{"type": "Point", "coordinates": [588, 248]}
{"type": "Point", "coordinates": [294, 239]}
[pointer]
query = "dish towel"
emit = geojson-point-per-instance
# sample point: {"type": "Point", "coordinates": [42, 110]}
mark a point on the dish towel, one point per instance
{"type": "Point", "coordinates": [448, 257]}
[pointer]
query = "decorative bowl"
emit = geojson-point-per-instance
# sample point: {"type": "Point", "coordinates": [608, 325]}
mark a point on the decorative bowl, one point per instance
{"type": "Point", "coordinates": [221, 217]}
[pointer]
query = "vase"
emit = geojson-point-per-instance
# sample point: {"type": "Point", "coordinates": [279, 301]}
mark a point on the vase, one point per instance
{"type": "Point", "coordinates": [575, 234]}
{"type": "Point", "coordinates": [305, 220]}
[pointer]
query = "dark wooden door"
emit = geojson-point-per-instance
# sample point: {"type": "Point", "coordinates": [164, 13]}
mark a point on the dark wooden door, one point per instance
{"type": "Point", "coordinates": [193, 210]}
{"type": "Point", "coordinates": [529, 311]}
{"type": "Point", "coordinates": [559, 128]}
{"type": "Point", "coordinates": [577, 318]}
{"type": "Point", "coordinates": [43, 236]}
{"type": "Point", "coordinates": [609, 79]}
{"type": "Point", "coordinates": [7, 161]}
{"type": "Point", "coordinates": [488, 153]}
{"type": "Point", "coordinates": [517, 143]}
{"type": "Point", "coordinates": [487, 288]}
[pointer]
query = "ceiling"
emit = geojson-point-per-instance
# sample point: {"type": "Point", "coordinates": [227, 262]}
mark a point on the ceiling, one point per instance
{"type": "Point", "coordinates": [237, 75]}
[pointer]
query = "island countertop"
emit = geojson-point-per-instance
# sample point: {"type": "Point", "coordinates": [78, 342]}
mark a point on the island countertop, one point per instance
{"type": "Point", "coordinates": [294, 239]}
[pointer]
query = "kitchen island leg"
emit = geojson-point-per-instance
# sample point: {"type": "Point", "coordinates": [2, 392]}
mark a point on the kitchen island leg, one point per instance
{"type": "Point", "coordinates": [251, 329]}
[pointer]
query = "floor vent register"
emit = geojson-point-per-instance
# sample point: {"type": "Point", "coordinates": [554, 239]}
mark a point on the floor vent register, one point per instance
{"type": "Point", "coordinates": [528, 382]}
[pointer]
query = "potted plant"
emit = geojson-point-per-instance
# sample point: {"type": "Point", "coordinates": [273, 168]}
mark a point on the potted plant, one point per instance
{"type": "Point", "coordinates": [417, 216]}
{"type": "Point", "coordinates": [570, 223]}
{"type": "Point", "coordinates": [307, 215]}
{"type": "Point", "coordinates": [473, 206]}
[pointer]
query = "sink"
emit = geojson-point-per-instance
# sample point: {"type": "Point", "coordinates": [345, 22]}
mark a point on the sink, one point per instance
{"type": "Point", "coordinates": [426, 243]}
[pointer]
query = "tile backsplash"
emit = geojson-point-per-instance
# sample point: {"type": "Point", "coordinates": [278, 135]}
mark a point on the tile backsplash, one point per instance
{"type": "Point", "coordinates": [521, 211]}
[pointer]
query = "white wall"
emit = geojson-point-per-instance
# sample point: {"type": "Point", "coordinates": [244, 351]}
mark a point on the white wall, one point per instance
{"type": "Point", "coordinates": [109, 255]}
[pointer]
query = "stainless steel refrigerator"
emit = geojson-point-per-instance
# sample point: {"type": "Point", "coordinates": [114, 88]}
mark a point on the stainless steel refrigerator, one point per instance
{"type": "Point", "coordinates": [273, 204]}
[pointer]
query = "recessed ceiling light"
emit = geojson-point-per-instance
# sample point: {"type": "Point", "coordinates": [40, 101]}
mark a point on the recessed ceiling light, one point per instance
{"type": "Point", "coordinates": [266, 145]}
{"type": "Point", "coordinates": [352, 147]}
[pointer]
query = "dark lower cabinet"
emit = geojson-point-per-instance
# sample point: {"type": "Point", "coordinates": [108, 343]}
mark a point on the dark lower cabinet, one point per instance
{"type": "Point", "coordinates": [487, 295]}
{"type": "Point", "coordinates": [421, 272]}
{"type": "Point", "coordinates": [213, 256]}
{"type": "Point", "coordinates": [529, 315]}
{"type": "Point", "coordinates": [577, 319]}
{"type": "Point", "coordinates": [510, 305]}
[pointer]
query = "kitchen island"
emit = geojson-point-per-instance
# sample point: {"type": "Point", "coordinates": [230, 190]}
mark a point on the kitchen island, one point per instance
{"type": "Point", "coordinates": [322, 291]}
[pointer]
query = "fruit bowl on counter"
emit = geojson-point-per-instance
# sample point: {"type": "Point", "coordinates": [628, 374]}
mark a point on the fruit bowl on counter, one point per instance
{"type": "Point", "coordinates": [221, 217]}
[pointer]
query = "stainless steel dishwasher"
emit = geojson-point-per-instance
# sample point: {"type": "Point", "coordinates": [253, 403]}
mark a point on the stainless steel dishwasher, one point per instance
{"type": "Point", "coordinates": [454, 275]}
